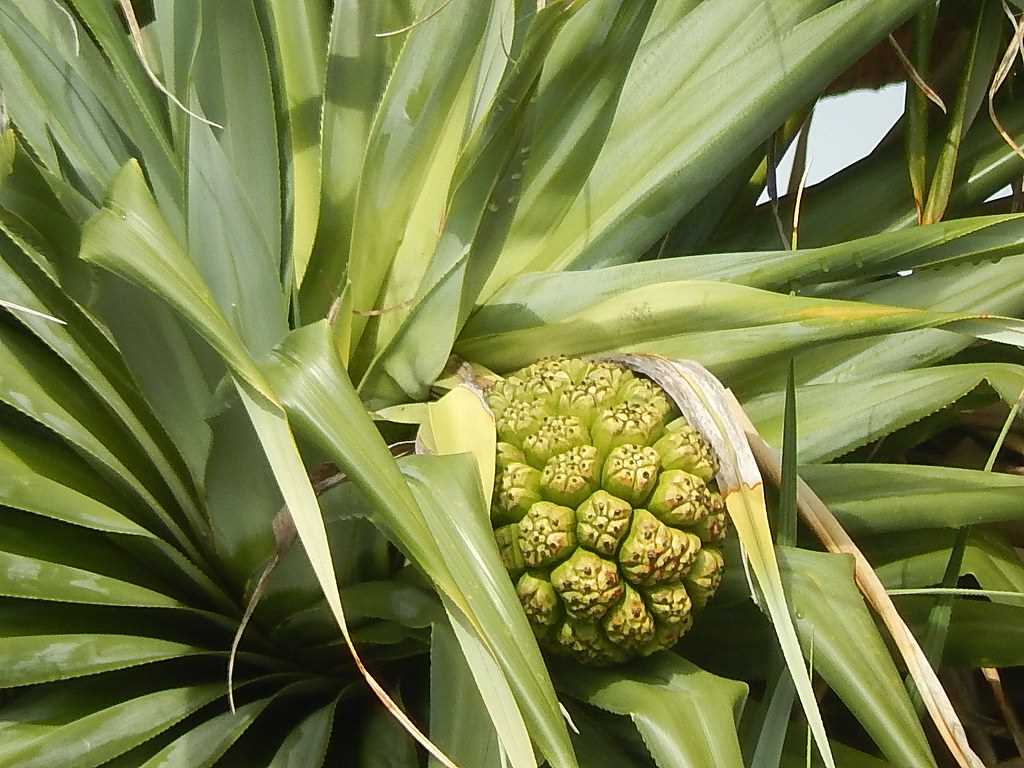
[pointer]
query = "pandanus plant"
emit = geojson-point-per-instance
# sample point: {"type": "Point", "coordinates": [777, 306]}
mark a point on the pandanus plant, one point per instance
{"type": "Point", "coordinates": [383, 382]}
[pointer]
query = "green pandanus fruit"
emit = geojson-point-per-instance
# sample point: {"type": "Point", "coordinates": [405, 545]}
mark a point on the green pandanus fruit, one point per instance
{"type": "Point", "coordinates": [605, 509]}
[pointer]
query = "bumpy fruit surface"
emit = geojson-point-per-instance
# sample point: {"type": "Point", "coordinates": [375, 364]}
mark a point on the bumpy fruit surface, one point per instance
{"type": "Point", "coordinates": [604, 509]}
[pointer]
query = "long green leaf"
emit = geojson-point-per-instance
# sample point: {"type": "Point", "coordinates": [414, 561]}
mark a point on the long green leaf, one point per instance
{"type": "Point", "coordinates": [977, 73]}
{"type": "Point", "coordinates": [876, 407]}
{"type": "Point", "coordinates": [640, 186]}
{"type": "Point", "coordinates": [203, 745]}
{"type": "Point", "coordinates": [168, 273]}
{"type": "Point", "coordinates": [849, 653]}
{"type": "Point", "coordinates": [971, 641]}
{"type": "Point", "coordinates": [233, 187]}
{"type": "Point", "coordinates": [457, 713]}
{"type": "Point", "coordinates": [298, 33]}
{"type": "Point", "coordinates": [43, 658]}
{"type": "Point", "coordinates": [306, 744]}
{"type": "Point", "coordinates": [322, 404]}
{"type": "Point", "coordinates": [557, 295]}
{"type": "Point", "coordinates": [463, 533]}
{"type": "Point", "coordinates": [142, 111]}
{"type": "Point", "coordinates": [985, 288]}
{"type": "Point", "coordinates": [30, 578]}
{"type": "Point", "coordinates": [92, 740]}
{"type": "Point", "coordinates": [418, 126]}
{"type": "Point", "coordinates": [916, 105]}
{"type": "Point", "coordinates": [76, 128]}
{"type": "Point", "coordinates": [576, 103]}
{"type": "Point", "coordinates": [358, 65]}
{"type": "Point", "coordinates": [484, 178]}
{"type": "Point", "coordinates": [82, 345]}
{"type": "Point", "coordinates": [129, 237]}
{"type": "Point", "coordinates": [36, 384]}
{"type": "Point", "coordinates": [919, 559]}
{"type": "Point", "coordinates": [686, 716]}
{"type": "Point", "coordinates": [729, 328]}
{"type": "Point", "coordinates": [879, 498]}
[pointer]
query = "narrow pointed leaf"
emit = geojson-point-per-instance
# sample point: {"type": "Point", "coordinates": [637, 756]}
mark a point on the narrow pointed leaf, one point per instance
{"type": "Point", "coordinates": [849, 653]}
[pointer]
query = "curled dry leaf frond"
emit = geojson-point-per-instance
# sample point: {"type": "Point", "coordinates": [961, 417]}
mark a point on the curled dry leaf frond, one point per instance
{"type": "Point", "coordinates": [916, 77]}
{"type": "Point", "coordinates": [826, 527]}
{"type": "Point", "coordinates": [1002, 72]}
{"type": "Point", "coordinates": [137, 43]}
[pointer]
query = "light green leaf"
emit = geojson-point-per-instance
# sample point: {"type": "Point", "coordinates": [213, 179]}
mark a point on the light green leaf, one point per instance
{"type": "Point", "coordinates": [282, 453]}
{"type": "Point", "coordinates": [418, 127]}
{"type": "Point", "coordinates": [358, 65]}
{"type": "Point", "coordinates": [728, 328]}
{"type": "Point", "coordinates": [849, 653]}
{"type": "Point", "coordinates": [493, 688]}
{"type": "Point", "coordinates": [984, 288]}
{"type": "Point", "coordinates": [324, 408]}
{"type": "Point", "coordinates": [448, 492]}
{"type": "Point", "coordinates": [460, 422]}
{"type": "Point", "coordinates": [686, 716]}
{"type": "Point", "coordinates": [298, 31]}
{"type": "Point", "coordinates": [558, 295]}
{"type": "Point", "coordinates": [658, 162]}
{"type": "Point", "coordinates": [575, 106]}
{"type": "Point", "coordinates": [876, 407]}
{"type": "Point", "coordinates": [485, 182]}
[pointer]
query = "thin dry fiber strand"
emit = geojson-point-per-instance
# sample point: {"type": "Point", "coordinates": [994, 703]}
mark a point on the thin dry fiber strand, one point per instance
{"type": "Point", "coordinates": [28, 311]}
{"type": "Point", "coordinates": [137, 43]}
{"type": "Point", "coordinates": [415, 23]}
